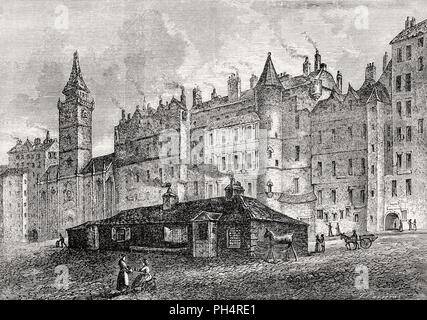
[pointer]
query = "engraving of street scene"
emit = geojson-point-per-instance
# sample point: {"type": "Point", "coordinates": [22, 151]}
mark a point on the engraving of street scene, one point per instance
{"type": "Point", "coordinates": [234, 149]}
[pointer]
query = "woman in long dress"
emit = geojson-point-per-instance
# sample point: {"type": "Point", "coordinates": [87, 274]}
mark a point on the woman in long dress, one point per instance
{"type": "Point", "coordinates": [123, 277]}
{"type": "Point", "coordinates": [144, 276]}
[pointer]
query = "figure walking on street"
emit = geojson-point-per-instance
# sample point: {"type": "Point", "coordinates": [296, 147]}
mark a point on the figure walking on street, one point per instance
{"type": "Point", "coordinates": [330, 230]}
{"type": "Point", "coordinates": [415, 225]}
{"type": "Point", "coordinates": [410, 224]}
{"type": "Point", "coordinates": [401, 226]}
{"type": "Point", "coordinates": [338, 229]}
{"type": "Point", "coordinates": [317, 246]}
{"type": "Point", "coordinates": [61, 241]}
{"type": "Point", "coordinates": [322, 243]}
{"type": "Point", "coordinates": [123, 277]}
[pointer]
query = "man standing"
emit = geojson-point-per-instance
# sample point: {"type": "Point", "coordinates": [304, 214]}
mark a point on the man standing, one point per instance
{"type": "Point", "coordinates": [322, 243]}
{"type": "Point", "coordinates": [62, 241]}
{"type": "Point", "coordinates": [410, 224]}
{"type": "Point", "coordinates": [401, 226]}
{"type": "Point", "coordinates": [338, 229]}
{"type": "Point", "coordinates": [415, 224]}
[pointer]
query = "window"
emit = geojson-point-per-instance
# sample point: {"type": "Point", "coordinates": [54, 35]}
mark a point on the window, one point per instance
{"type": "Point", "coordinates": [249, 160]}
{"type": "Point", "coordinates": [364, 131]}
{"type": "Point", "coordinates": [421, 42]}
{"type": "Point", "coordinates": [224, 164]}
{"type": "Point", "coordinates": [399, 55]}
{"type": "Point", "coordinates": [319, 197]}
{"type": "Point", "coordinates": [372, 193]}
{"type": "Point", "coordinates": [248, 132]}
{"type": "Point", "coordinates": [196, 188]}
{"type": "Point", "coordinates": [223, 138]}
{"type": "Point", "coordinates": [399, 108]}
{"type": "Point", "coordinates": [399, 161]}
{"type": "Point", "coordinates": [202, 231]}
{"type": "Point", "coordinates": [372, 169]}
{"type": "Point", "coordinates": [161, 174]}
{"type": "Point", "coordinates": [236, 134]}
{"type": "Point", "coordinates": [249, 188]}
{"type": "Point", "coordinates": [356, 217]}
{"type": "Point", "coordinates": [320, 214]}
{"type": "Point", "coordinates": [120, 234]}
{"type": "Point", "coordinates": [408, 52]}
{"type": "Point", "coordinates": [409, 134]}
{"type": "Point", "coordinates": [372, 147]}
{"type": "Point", "coordinates": [341, 214]}
{"type": "Point", "coordinates": [420, 125]}
{"type": "Point", "coordinates": [350, 167]}
{"type": "Point", "coordinates": [172, 172]}
{"type": "Point", "coordinates": [362, 196]}
{"type": "Point", "coordinates": [334, 169]}
{"type": "Point", "coordinates": [398, 83]}
{"type": "Point", "coordinates": [277, 163]}
{"type": "Point", "coordinates": [175, 234]}
{"type": "Point", "coordinates": [296, 185]}
{"type": "Point", "coordinates": [269, 187]}
{"type": "Point", "coordinates": [408, 187]}
{"type": "Point", "coordinates": [270, 153]}
{"type": "Point", "coordinates": [420, 63]}
{"type": "Point", "coordinates": [347, 212]}
{"type": "Point", "coordinates": [236, 162]}
{"type": "Point", "coordinates": [409, 108]}
{"type": "Point", "coordinates": [211, 139]}
{"type": "Point", "coordinates": [399, 134]}
{"type": "Point", "coordinates": [350, 196]}
{"type": "Point", "coordinates": [233, 237]}
{"type": "Point", "coordinates": [210, 191]}
{"type": "Point", "coordinates": [297, 122]}
{"type": "Point", "coordinates": [408, 82]}
{"type": "Point", "coordinates": [320, 136]}
{"type": "Point", "coordinates": [334, 196]}
{"type": "Point", "coordinates": [319, 169]}
{"type": "Point", "coordinates": [350, 132]}
{"type": "Point", "coordinates": [363, 166]}
{"type": "Point", "coordinates": [394, 188]}
{"type": "Point", "coordinates": [334, 136]}
{"type": "Point", "coordinates": [297, 153]}
{"type": "Point", "coordinates": [148, 174]}
{"type": "Point", "coordinates": [408, 161]}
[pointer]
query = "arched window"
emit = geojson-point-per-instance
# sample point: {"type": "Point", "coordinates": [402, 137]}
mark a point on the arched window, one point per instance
{"type": "Point", "coordinates": [356, 217]}
{"type": "Point", "coordinates": [269, 153]}
{"type": "Point", "coordinates": [269, 186]}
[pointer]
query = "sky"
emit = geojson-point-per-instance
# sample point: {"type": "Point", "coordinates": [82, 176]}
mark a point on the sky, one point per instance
{"type": "Point", "coordinates": [131, 50]}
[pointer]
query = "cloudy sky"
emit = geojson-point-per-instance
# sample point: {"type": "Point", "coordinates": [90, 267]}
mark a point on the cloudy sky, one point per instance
{"type": "Point", "coordinates": [131, 49]}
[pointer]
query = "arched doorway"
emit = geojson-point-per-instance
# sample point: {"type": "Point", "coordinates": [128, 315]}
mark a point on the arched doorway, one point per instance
{"type": "Point", "coordinates": [392, 221]}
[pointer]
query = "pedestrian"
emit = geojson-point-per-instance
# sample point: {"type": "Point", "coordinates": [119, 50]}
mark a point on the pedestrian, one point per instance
{"type": "Point", "coordinates": [322, 243]}
{"type": "Point", "coordinates": [415, 225]}
{"type": "Point", "coordinates": [401, 226]}
{"type": "Point", "coordinates": [330, 230]}
{"type": "Point", "coordinates": [62, 241]}
{"type": "Point", "coordinates": [317, 246]}
{"type": "Point", "coordinates": [338, 229]}
{"type": "Point", "coordinates": [410, 224]}
{"type": "Point", "coordinates": [143, 277]}
{"type": "Point", "coordinates": [356, 238]}
{"type": "Point", "coordinates": [123, 277]}
{"type": "Point", "coordinates": [395, 224]}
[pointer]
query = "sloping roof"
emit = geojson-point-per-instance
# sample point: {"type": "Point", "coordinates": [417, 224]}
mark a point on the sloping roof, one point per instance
{"type": "Point", "coordinates": [99, 163]}
{"type": "Point", "coordinates": [292, 82]}
{"type": "Point", "coordinates": [411, 32]}
{"type": "Point", "coordinates": [366, 89]}
{"type": "Point", "coordinates": [380, 93]}
{"type": "Point", "coordinates": [186, 211]}
{"type": "Point", "coordinates": [269, 75]}
{"type": "Point", "coordinates": [297, 198]}
{"type": "Point", "coordinates": [75, 82]}
{"type": "Point", "coordinates": [235, 120]}
{"type": "Point", "coordinates": [204, 215]}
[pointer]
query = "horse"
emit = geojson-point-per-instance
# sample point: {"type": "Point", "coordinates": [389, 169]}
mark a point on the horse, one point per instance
{"type": "Point", "coordinates": [349, 240]}
{"type": "Point", "coordinates": [284, 239]}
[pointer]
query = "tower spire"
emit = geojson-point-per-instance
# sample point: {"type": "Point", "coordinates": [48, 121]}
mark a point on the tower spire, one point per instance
{"type": "Point", "coordinates": [269, 75]}
{"type": "Point", "coordinates": [75, 82]}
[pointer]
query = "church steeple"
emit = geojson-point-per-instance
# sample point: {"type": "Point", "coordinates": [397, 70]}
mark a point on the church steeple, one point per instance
{"type": "Point", "coordinates": [75, 82]}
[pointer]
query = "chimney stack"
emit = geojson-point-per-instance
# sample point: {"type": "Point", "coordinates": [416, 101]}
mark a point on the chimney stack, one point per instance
{"type": "Point", "coordinates": [407, 23]}
{"type": "Point", "coordinates": [123, 114]}
{"type": "Point", "coordinates": [306, 67]}
{"type": "Point", "coordinates": [253, 81]}
{"type": "Point", "coordinates": [413, 21]}
{"type": "Point", "coordinates": [317, 61]}
{"type": "Point", "coordinates": [213, 94]}
{"type": "Point", "coordinates": [234, 87]}
{"type": "Point", "coordinates": [234, 189]}
{"type": "Point", "coordinates": [371, 72]}
{"type": "Point", "coordinates": [385, 61]}
{"type": "Point", "coordinates": [183, 98]}
{"type": "Point", "coordinates": [339, 80]}
{"type": "Point", "coordinates": [197, 96]}
{"type": "Point", "coordinates": [128, 116]}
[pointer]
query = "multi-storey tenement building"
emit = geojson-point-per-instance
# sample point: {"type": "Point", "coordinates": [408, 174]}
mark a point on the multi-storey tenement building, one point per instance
{"type": "Point", "coordinates": [299, 144]}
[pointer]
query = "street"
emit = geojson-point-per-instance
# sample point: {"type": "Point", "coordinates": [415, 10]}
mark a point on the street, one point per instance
{"type": "Point", "coordinates": [394, 267]}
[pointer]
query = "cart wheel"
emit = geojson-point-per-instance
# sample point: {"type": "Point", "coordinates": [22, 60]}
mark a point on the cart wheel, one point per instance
{"type": "Point", "coordinates": [365, 243]}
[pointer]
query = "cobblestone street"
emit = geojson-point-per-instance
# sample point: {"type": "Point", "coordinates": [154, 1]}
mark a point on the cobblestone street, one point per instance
{"type": "Point", "coordinates": [397, 269]}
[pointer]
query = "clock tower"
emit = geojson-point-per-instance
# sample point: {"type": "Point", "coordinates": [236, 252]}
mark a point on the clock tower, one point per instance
{"type": "Point", "coordinates": [75, 124]}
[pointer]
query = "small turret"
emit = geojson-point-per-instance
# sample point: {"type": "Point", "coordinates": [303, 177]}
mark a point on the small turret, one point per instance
{"type": "Point", "coordinates": [317, 61]}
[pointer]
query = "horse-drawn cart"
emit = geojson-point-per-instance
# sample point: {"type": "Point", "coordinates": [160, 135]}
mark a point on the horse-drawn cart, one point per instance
{"type": "Point", "coordinates": [362, 241]}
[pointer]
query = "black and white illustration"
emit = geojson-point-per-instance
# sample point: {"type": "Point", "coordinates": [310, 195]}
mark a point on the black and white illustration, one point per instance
{"type": "Point", "coordinates": [199, 150]}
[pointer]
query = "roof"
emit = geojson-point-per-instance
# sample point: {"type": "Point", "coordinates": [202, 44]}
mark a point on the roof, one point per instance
{"type": "Point", "coordinates": [380, 93]}
{"type": "Point", "coordinates": [269, 75]}
{"type": "Point", "coordinates": [28, 146]}
{"type": "Point", "coordinates": [235, 120]}
{"type": "Point", "coordinates": [297, 198]}
{"type": "Point", "coordinates": [411, 32]}
{"type": "Point", "coordinates": [75, 82]}
{"type": "Point", "coordinates": [185, 212]}
{"type": "Point", "coordinates": [204, 215]}
{"type": "Point", "coordinates": [98, 164]}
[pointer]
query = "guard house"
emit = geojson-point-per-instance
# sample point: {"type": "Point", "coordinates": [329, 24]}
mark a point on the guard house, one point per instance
{"type": "Point", "coordinates": [206, 228]}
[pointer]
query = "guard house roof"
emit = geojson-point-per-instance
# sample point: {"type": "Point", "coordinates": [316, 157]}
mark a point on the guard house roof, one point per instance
{"type": "Point", "coordinates": [185, 212]}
